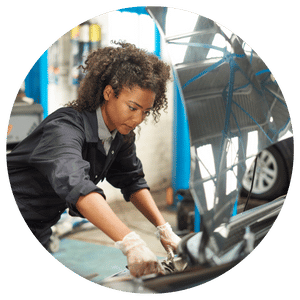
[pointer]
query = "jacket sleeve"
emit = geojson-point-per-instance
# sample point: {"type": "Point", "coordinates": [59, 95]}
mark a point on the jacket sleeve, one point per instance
{"type": "Point", "coordinates": [126, 172]}
{"type": "Point", "coordinates": [58, 157]}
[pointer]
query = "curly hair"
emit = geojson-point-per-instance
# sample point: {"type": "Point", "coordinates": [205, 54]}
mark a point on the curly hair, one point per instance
{"type": "Point", "coordinates": [122, 66]}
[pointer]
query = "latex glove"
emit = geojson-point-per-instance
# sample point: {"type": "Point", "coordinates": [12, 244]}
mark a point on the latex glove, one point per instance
{"type": "Point", "coordinates": [141, 260]}
{"type": "Point", "coordinates": [167, 237]}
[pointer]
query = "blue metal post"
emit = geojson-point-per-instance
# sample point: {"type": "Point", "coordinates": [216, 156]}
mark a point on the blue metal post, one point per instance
{"type": "Point", "coordinates": [197, 220]}
{"type": "Point", "coordinates": [44, 82]}
{"type": "Point", "coordinates": [36, 82]}
{"type": "Point", "coordinates": [140, 10]}
{"type": "Point", "coordinates": [181, 151]}
{"type": "Point", "coordinates": [157, 39]}
{"type": "Point", "coordinates": [234, 211]}
{"type": "Point", "coordinates": [32, 84]}
{"type": "Point", "coordinates": [181, 145]}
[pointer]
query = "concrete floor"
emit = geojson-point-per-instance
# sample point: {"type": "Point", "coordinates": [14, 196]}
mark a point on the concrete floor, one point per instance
{"type": "Point", "coordinates": [91, 254]}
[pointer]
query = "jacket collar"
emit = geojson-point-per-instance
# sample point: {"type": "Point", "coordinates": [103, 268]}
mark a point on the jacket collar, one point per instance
{"type": "Point", "coordinates": [103, 132]}
{"type": "Point", "coordinates": [90, 126]}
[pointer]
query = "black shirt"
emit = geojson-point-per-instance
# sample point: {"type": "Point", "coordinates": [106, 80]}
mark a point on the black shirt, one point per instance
{"type": "Point", "coordinates": [64, 159]}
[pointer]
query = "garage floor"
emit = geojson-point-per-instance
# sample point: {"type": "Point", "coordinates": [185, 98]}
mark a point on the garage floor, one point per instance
{"type": "Point", "coordinates": [91, 254]}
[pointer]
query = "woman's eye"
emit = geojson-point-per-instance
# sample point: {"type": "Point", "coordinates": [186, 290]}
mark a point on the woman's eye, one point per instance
{"type": "Point", "coordinates": [147, 113]}
{"type": "Point", "coordinates": [132, 108]}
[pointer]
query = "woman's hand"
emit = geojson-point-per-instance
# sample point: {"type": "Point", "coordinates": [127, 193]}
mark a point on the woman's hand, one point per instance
{"type": "Point", "coordinates": [167, 237]}
{"type": "Point", "coordinates": [141, 260]}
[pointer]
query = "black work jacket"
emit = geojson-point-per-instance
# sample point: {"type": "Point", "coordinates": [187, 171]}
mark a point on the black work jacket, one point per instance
{"type": "Point", "coordinates": [64, 159]}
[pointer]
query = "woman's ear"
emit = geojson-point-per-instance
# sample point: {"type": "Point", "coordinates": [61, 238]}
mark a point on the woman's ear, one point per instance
{"type": "Point", "coordinates": [108, 92]}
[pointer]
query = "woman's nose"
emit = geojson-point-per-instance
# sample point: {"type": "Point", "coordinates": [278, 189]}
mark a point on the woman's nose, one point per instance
{"type": "Point", "coordinates": [138, 118]}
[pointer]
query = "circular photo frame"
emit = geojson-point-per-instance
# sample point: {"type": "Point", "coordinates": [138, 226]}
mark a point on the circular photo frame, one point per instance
{"type": "Point", "coordinates": [216, 167]}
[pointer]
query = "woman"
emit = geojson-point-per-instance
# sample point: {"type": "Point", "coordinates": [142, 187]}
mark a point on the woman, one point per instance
{"type": "Point", "coordinates": [59, 164]}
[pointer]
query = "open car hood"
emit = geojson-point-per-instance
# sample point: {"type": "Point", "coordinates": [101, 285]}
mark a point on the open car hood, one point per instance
{"type": "Point", "coordinates": [234, 108]}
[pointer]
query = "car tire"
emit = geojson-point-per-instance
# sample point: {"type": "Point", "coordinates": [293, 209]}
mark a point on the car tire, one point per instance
{"type": "Point", "coordinates": [271, 176]}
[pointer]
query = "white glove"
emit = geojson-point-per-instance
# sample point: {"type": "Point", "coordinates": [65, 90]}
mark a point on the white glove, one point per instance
{"type": "Point", "coordinates": [167, 237]}
{"type": "Point", "coordinates": [141, 260]}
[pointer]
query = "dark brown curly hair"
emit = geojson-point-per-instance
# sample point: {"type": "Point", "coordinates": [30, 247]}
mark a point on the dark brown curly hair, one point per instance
{"type": "Point", "coordinates": [122, 66]}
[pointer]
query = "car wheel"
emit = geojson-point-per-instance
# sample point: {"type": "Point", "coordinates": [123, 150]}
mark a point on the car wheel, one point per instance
{"type": "Point", "coordinates": [271, 178]}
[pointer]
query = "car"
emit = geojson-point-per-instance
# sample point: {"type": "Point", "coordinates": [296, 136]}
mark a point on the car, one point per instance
{"type": "Point", "coordinates": [272, 179]}
{"type": "Point", "coordinates": [273, 172]}
{"type": "Point", "coordinates": [235, 113]}
{"type": "Point", "coordinates": [195, 264]}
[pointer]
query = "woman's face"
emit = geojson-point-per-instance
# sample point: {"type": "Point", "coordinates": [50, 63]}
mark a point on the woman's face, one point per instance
{"type": "Point", "coordinates": [128, 110]}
